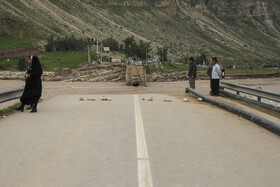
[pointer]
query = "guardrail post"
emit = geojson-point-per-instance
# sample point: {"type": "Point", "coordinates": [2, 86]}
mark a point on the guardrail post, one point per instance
{"type": "Point", "coordinates": [259, 99]}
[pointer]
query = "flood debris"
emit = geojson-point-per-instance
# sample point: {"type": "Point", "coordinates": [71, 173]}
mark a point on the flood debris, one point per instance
{"type": "Point", "coordinates": [185, 100]}
{"type": "Point", "coordinates": [151, 99]}
{"type": "Point", "coordinates": [167, 100]}
{"type": "Point", "coordinates": [105, 98]}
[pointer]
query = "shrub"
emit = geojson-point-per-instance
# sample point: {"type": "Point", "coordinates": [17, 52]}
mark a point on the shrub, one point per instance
{"type": "Point", "coordinates": [21, 64]}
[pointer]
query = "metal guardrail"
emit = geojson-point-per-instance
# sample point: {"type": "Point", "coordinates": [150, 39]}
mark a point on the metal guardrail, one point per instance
{"type": "Point", "coordinates": [270, 125]}
{"type": "Point", "coordinates": [7, 95]}
{"type": "Point", "coordinates": [234, 96]}
{"type": "Point", "coordinates": [260, 93]}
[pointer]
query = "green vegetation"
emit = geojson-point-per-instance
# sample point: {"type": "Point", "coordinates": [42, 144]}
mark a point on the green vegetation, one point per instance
{"type": "Point", "coordinates": [14, 41]}
{"type": "Point", "coordinates": [52, 60]}
{"type": "Point", "coordinates": [9, 110]}
{"type": "Point", "coordinates": [21, 64]}
{"type": "Point", "coordinates": [163, 53]}
{"type": "Point", "coordinates": [112, 43]}
{"type": "Point", "coordinates": [166, 67]}
{"type": "Point", "coordinates": [133, 49]}
{"type": "Point", "coordinates": [68, 44]}
{"type": "Point", "coordinates": [10, 64]}
{"type": "Point", "coordinates": [66, 59]}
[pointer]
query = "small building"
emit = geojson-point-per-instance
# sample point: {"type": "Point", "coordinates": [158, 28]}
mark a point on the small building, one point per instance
{"type": "Point", "coordinates": [106, 49]}
{"type": "Point", "coordinates": [116, 58]}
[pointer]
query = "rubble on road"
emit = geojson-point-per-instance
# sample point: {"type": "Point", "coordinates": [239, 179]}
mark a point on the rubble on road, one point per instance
{"type": "Point", "coordinates": [185, 100]}
{"type": "Point", "coordinates": [200, 99]}
{"type": "Point", "coordinates": [167, 100]}
{"type": "Point", "coordinates": [151, 99]}
{"type": "Point", "coordinates": [105, 98]}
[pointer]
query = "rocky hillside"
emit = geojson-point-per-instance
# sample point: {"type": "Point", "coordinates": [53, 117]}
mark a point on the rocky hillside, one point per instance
{"type": "Point", "coordinates": [243, 31]}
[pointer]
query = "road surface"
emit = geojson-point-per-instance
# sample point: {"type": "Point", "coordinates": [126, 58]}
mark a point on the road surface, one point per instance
{"type": "Point", "coordinates": [133, 142]}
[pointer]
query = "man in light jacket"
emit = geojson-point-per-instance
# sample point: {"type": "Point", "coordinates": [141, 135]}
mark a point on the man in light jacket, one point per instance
{"type": "Point", "coordinates": [216, 75]}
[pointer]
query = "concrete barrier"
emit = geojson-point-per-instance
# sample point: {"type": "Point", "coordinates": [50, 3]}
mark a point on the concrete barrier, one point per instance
{"type": "Point", "coordinates": [273, 127]}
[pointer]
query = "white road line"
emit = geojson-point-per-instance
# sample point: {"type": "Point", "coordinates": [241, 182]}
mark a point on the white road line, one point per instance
{"type": "Point", "coordinates": [144, 168]}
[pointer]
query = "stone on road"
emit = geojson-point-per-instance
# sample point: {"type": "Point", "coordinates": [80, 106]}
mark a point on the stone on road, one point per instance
{"type": "Point", "coordinates": [74, 143]}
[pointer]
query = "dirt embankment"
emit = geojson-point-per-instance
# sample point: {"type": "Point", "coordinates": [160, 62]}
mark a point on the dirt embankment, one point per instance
{"type": "Point", "coordinates": [18, 52]}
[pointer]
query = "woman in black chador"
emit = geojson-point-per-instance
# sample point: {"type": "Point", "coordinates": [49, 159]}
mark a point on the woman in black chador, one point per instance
{"type": "Point", "coordinates": [33, 86]}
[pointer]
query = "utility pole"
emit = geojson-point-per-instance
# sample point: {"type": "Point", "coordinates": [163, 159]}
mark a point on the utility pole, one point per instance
{"type": "Point", "coordinates": [89, 53]}
{"type": "Point", "coordinates": [97, 46]}
{"type": "Point", "coordinates": [101, 52]}
{"type": "Point", "coordinates": [187, 55]}
{"type": "Point", "coordinates": [146, 54]}
{"type": "Point", "coordinates": [1, 17]}
{"type": "Point", "coordinates": [3, 24]}
{"type": "Point", "coordinates": [21, 34]}
{"type": "Point", "coordinates": [53, 43]}
{"type": "Point", "coordinates": [162, 55]}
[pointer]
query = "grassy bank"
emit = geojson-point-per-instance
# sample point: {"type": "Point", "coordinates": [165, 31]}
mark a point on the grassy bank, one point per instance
{"type": "Point", "coordinates": [9, 110]}
{"type": "Point", "coordinates": [8, 64]}
{"type": "Point", "coordinates": [51, 60]}
{"type": "Point", "coordinates": [14, 41]}
{"type": "Point", "coordinates": [64, 59]}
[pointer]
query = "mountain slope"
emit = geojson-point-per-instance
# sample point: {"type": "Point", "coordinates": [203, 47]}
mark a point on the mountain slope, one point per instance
{"type": "Point", "coordinates": [245, 31]}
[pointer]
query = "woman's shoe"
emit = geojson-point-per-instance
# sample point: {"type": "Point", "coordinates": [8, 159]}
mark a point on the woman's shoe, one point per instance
{"type": "Point", "coordinates": [34, 109]}
{"type": "Point", "coordinates": [21, 108]}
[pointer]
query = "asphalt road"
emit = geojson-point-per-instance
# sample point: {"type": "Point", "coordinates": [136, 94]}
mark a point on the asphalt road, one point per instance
{"type": "Point", "coordinates": [133, 142]}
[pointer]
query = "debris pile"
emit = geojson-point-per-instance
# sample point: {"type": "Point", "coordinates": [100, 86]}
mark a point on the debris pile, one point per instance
{"type": "Point", "coordinates": [103, 98]}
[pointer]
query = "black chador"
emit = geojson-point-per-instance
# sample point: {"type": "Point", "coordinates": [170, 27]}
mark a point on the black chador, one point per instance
{"type": "Point", "coordinates": [33, 86]}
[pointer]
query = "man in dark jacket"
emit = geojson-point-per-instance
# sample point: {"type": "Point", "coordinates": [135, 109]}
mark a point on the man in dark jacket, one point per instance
{"type": "Point", "coordinates": [192, 73]}
{"type": "Point", "coordinates": [209, 72]}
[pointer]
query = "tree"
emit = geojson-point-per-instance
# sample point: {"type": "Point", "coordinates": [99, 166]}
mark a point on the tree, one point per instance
{"type": "Point", "coordinates": [201, 59]}
{"type": "Point", "coordinates": [143, 50]}
{"type": "Point", "coordinates": [21, 64]}
{"type": "Point", "coordinates": [121, 47]}
{"type": "Point", "coordinates": [162, 52]}
{"type": "Point", "coordinates": [67, 44]}
{"type": "Point", "coordinates": [50, 44]}
{"type": "Point", "coordinates": [130, 46]}
{"type": "Point", "coordinates": [132, 49]}
{"type": "Point", "coordinates": [112, 43]}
